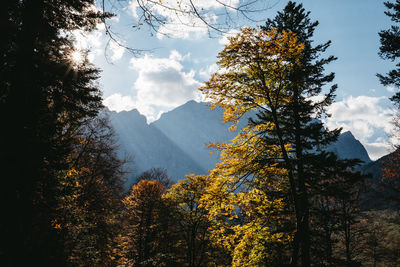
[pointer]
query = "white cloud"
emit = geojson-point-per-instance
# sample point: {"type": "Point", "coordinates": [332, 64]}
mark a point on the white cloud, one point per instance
{"type": "Point", "coordinates": [118, 102]}
{"type": "Point", "coordinates": [96, 42]}
{"type": "Point", "coordinates": [365, 117]}
{"type": "Point", "coordinates": [390, 89]}
{"type": "Point", "coordinates": [175, 55]}
{"type": "Point", "coordinates": [181, 19]}
{"type": "Point", "coordinates": [208, 71]}
{"type": "Point", "coordinates": [117, 51]}
{"type": "Point", "coordinates": [132, 8]}
{"type": "Point", "coordinates": [225, 37]}
{"type": "Point", "coordinates": [184, 26]}
{"type": "Point", "coordinates": [378, 149]}
{"type": "Point", "coordinates": [84, 41]}
{"type": "Point", "coordinates": [162, 84]}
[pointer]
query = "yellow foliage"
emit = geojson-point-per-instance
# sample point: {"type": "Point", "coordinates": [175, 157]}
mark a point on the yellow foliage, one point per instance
{"type": "Point", "coordinates": [253, 69]}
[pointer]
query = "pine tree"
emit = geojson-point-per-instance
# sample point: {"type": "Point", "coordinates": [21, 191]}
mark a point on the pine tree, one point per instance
{"type": "Point", "coordinates": [390, 50]}
{"type": "Point", "coordinates": [390, 47]}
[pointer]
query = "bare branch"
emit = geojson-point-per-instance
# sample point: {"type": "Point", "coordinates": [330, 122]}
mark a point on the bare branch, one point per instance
{"type": "Point", "coordinates": [158, 14]}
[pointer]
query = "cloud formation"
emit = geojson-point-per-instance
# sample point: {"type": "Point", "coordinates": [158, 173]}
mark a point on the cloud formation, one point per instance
{"type": "Point", "coordinates": [117, 51]}
{"type": "Point", "coordinates": [208, 71]}
{"type": "Point", "coordinates": [162, 84]}
{"type": "Point", "coordinates": [118, 102]}
{"type": "Point", "coordinates": [365, 117]}
{"type": "Point", "coordinates": [390, 89]}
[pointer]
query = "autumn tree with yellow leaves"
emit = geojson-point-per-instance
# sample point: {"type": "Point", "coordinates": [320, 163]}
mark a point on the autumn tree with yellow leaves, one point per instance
{"type": "Point", "coordinates": [277, 73]}
{"type": "Point", "coordinates": [246, 202]}
{"type": "Point", "coordinates": [148, 235]}
{"type": "Point", "coordinates": [194, 247]}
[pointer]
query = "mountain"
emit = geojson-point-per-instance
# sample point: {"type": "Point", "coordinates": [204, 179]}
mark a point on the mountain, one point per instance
{"type": "Point", "coordinates": [192, 126]}
{"type": "Point", "coordinates": [177, 140]}
{"type": "Point", "coordinates": [348, 147]}
{"type": "Point", "coordinates": [379, 195]}
{"type": "Point", "coordinates": [148, 147]}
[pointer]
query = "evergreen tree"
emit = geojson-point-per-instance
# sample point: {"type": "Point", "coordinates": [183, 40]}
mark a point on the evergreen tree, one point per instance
{"type": "Point", "coordinates": [305, 80]}
{"type": "Point", "coordinates": [45, 97]}
{"type": "Point", "coordinates": [390, 47]}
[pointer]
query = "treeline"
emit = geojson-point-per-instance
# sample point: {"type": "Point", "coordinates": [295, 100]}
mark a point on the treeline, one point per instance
{"type": "Point", "coordinates": [276, 198]}
{"type": "Point", "coordinates": [179, 226]}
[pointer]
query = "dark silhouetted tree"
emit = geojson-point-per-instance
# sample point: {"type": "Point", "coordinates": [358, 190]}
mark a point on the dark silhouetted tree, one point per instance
{"type": "Point", "coordinates": [156, 174]}
{"type": "Point", "coordinates": [89, 198]}
{"type": "Point", "coordinates": [45, 97]}
{"type": "Point", "coordinates": [390, 50]}
{"type": "Point", "coordinates": [390, 47]}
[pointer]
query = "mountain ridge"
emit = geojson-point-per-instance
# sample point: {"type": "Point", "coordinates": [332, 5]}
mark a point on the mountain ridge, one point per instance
{"type": "Point", "coordinates": [177, 140]}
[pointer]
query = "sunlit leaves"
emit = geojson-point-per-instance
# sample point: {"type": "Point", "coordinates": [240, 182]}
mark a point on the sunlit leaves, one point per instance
{"type": "Point", "coordinates": [253, 70]}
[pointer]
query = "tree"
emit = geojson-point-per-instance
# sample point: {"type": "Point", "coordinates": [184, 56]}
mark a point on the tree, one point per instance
{"type": "Point", "coordinates": [156, 174]}
{"type": "Point", "coordinates": [192, 222]}
{"type": "Point", "coordinates": [379, 238]}
{"type": "Point", "coordinates": [276, 71]}
{"type": "Point", "coordinates": [390, 49]}
{"type": "Point", "coordinates": [146, 234]}
{"type": "Point", "coordinates": [89, 204]}
{"type": "Point", "coordinates": [45, 97]}
{"type": "Point", "coordinates": [164, 16]}
{"type": "Point", "coordinates": [335, 209]}
{"type": "Point", "coordinates": [245, 200]}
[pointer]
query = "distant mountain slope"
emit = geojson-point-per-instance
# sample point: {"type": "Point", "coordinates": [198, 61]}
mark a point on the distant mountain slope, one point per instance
{"type": "Point", "coordinates": [177, 141]}
{"type": "Point", "coordinates": [192, 126]}
{"type": "Point", "coordinates": [378, 195]}
{"type": "Point", "coordinates": [149, 147]}
{"type": "Point", "coordinates": [348, 147]}
{"type": "Point", "coordinates": [375, 167]}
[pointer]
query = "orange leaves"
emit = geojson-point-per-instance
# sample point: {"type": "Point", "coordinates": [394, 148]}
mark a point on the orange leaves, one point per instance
{"type": "Point", "coordinates": [392, 166]}
{"type": "Point", "coordinates": [72, 172]}
{"type": "Point", "coordinates": [145, 191]}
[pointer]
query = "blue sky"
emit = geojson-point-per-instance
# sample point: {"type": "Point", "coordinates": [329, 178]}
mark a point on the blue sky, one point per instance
{"type": "Point", "coordinates": [170, 71]}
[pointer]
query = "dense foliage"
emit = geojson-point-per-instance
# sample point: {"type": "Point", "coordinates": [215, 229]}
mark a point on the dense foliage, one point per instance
{"type": "Point", "coordinates": [61, 178]}
{"type": "Point", "coordinates": [276, 198]}
{"type": "Point", "coordinates": [276, 71]}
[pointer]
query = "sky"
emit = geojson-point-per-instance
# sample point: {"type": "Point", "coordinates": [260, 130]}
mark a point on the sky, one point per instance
{"type": "Point", "coordinates": [176, 60]}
